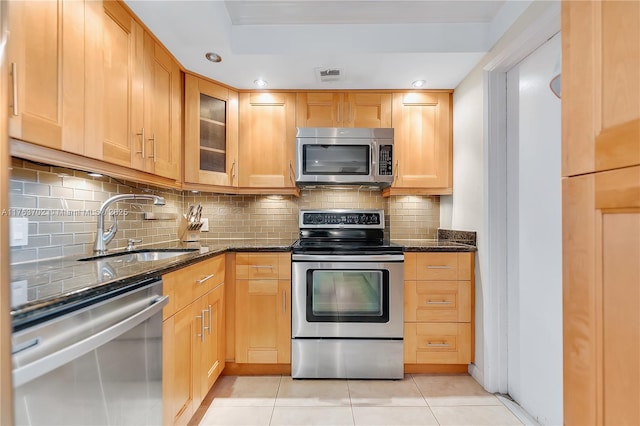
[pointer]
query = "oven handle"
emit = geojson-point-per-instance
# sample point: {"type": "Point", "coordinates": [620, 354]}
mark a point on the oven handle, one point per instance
{"type": "Point", "coordinates": [348, 258]}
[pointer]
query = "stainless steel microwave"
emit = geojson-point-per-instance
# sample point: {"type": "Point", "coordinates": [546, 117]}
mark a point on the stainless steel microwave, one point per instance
{"type": "Point", "coordinates": [344, 156]}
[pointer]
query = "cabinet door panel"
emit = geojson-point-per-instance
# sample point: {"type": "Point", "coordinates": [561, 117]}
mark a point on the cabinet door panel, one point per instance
{"type": "Point", "coordinates": [162, 110]}
{"type": "Point", "coordinates": [368, 110]}
{"type": "Point", "coordinates": [211, 133]}
{"type": "Point", "coordinates": [319, 109]}
{"type": "Point", "coordinates": [422, 140]}
{"type": "Point", "coordinates": [46, 61]}
{"type": "Point", "coordinates": [267, 140]}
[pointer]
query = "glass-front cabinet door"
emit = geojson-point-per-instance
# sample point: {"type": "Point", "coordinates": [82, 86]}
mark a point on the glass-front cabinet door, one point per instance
{"type": "Point", "coordinates": [211, 133]}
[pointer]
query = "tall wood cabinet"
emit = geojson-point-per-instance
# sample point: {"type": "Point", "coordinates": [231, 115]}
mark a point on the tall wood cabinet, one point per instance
{"type": "Point", "coordinates": [423, 143]}
{"type": "Point", "coordinates": [343, 109]}
{"type": "Point", "coordinates": [211, 133]}
{"type": "Point", "coordinates": [193, 337]}
{"type": "Point", "coordinates": [267, 141]}
{"type": "Point", "coordinates": [45, 56]}
{"type": "Point", "coordinates": [601, 211]}
{"type": "Point", "coordinates": [263, 308]}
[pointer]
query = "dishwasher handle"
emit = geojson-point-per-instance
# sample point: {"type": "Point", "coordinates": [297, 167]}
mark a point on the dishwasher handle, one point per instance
{"type": "Point", "coordinates": [39, 367]}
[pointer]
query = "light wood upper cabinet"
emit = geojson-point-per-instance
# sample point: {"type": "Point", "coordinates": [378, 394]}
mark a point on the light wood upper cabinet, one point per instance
{"type": "Point", "coordinates": [348, 109]}
{"type": "Point", "coordinates": [114, 95]}
{"type": "Point", "coordinates": [162, 112]}
{"type": "Point", "coordinates": [423, 145]}
{"type": "Point", "coordinates": [601, 211]}
{"type": "Point", "coordinates": [267, 140]}
{"type": "Point", "coordinates": [263, 308]}
{"type": "Point", "coordinates": [45, 56]}
{"type": "Point", "coordinates": [211, 133]}
{"type": "Point", "coordinates": [133, 95]}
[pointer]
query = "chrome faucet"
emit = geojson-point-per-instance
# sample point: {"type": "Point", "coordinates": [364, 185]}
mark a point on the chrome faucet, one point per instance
{"type": "Point", "coordinates": [104, 237]}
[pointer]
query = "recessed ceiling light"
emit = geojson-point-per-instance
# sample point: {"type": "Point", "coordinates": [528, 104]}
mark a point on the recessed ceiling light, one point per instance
{"type": "Point", "coordinates": [93, 174]}
{"type": "Point", "coordinates": [260, 82]}
{"type": "Point", "coordinates": [195, 191]}
{"type": "Point", "coordinates": [418, 83]}
{"type": "Point", "coordinates": [213, 57]}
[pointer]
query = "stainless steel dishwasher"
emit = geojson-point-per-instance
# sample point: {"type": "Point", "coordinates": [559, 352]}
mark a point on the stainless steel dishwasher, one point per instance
{"type": "Point", "coordinates": [98, 365]}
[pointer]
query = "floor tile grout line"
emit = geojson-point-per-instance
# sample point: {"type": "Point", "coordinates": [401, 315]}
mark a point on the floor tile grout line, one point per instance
{"type": "Point", "coordinates": [353, 416]}
{"type": "Point", "coordinates": [425, 399]}
{"type": "Point", "coordinates": [273, 409]}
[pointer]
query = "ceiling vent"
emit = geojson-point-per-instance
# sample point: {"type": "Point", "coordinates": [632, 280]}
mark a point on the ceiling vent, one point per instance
{"type": "Point", "coordinates": [324, 75]}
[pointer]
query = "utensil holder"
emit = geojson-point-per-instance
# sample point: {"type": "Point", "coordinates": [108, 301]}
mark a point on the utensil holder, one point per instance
{"type": "Point", "coordinates": [189, 231]}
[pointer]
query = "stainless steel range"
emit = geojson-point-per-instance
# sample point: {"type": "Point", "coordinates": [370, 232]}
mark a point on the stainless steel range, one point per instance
{"type": "Point", "coordinates": [347, 297]}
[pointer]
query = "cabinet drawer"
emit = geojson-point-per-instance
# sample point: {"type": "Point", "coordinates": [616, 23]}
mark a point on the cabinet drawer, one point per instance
{"type": "Point", "coordinates": [443, 266]}
{"type": "Point", "coordinates": [187, 284]}
{"type": "Point", "coordinates": [437, 343]}
{"type": "Point", "coordinates": [262, 266]}
{"type": "Point", "coordinates": [438, 301]}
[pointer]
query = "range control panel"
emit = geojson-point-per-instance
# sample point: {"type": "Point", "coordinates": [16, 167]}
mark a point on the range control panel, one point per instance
{"type": "Point", "coordinates": [342, 219]}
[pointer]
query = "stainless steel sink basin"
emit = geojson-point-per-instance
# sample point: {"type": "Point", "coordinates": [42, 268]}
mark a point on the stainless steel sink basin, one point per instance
{"type": "Point", "coordinates": [147, 255]}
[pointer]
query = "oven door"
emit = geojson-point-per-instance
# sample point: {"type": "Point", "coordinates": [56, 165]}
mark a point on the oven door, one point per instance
{"type": "Point", "coordinates": [347, 299]}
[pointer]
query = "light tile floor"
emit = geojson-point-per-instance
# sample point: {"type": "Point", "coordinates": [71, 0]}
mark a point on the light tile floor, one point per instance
{"type": "Point", "coordinates": [416, 400]}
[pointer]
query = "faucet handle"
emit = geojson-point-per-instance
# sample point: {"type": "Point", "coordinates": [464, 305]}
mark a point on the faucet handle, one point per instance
{"type": "Point", "coordinates": [131, 242]}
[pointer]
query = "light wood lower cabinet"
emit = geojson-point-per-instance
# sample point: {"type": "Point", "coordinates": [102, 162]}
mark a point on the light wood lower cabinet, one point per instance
{"type": "Point", "coordinates": [263, 308]}
{"type": "Point", "coordinates": [439, 305]}
{"type": "Point", "coordinates": [193, 337]}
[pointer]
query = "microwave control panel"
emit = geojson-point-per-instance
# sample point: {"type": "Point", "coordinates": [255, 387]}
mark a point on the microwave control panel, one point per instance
{"type": "Point", "coordinates": [385, 160]}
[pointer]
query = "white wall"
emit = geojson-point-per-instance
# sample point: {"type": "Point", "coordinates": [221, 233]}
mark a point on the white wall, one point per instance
{"type": "Point", "coordinates": [535, 236]}
{"type": "Point", "coordinates": [467, 209]}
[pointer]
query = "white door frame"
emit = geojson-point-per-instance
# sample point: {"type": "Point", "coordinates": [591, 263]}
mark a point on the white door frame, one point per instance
{"type": "Point", "coordinates": [545, 26]}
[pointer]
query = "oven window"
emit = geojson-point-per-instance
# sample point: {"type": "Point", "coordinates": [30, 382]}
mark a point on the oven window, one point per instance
{"type": "Point", "coordinates": [336, 159]}
{"type": "Point", "coordinates": [347, 296]}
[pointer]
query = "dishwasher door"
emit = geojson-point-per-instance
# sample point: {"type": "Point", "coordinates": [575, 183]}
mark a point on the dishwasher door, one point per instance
{"type": "Point", "coordinates": [100, 365]}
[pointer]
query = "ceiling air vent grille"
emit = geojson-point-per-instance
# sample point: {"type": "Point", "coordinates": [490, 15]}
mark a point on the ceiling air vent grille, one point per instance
{"type": "Point", "coordinates": [328, 74]}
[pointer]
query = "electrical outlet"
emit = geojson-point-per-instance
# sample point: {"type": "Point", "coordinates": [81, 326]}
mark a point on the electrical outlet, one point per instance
{"type": "Point", "coordinates": [205, 224]}
{"type": "Point", "coordinates": [18, 231]}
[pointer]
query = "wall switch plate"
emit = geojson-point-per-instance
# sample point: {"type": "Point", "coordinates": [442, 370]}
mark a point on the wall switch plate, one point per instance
{"type": "Point", "coordinates": [205, 224]}
{"type": "Point", "coordinates": [19, 293]}
{"type": "Point", "coordinates": [18, 231]}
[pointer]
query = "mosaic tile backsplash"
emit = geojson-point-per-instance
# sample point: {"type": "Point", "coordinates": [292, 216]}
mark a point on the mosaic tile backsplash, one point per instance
{"type": "Point", "coordinates": [60, 205]}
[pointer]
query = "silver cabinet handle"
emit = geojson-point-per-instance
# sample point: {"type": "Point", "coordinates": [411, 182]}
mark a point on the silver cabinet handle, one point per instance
{"type": "Point", "coordinates": [201, 318]}
{"type": "Point", "coordinates": [27, 372]}
{"type": "Point", "coordinates": [209, 328]}
{"type": "Point", "coordinates": [284, 301]}
{"type": "Point", "coordinates": [14, 85]}
{"type": "Point", "coordinates": [143, 140]}
{"type": "Point", "coordinates": [155, 150]}
{"type": "Point", "coordinates": [437, 345]}
{"type": "Point", "coordinates": [207, 278]}
{"type": "Point", "coordinates": [397, 170]}
{"type": "Point", "coordinates": [438, 267]}
{"type": "Point", "coordinates": [262, 266]}
{"type": "Point", "coordinates": [233, 170]}
{"type": "Point", "coordinates": [349, 118]}
{"type": "Point", "coordinates": [338, 116]}
{"type": "Point", "coordinates": [436, 302]}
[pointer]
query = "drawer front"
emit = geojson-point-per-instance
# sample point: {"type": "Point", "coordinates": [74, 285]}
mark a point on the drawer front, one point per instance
{"type": "Point", "coordinates": [187, 284]}
{"type": "Point", "coordinates": [444, 266]}
{"type": "Point", "coordinates": [261, 266]}
{"type": "Point", "coordinates": [438, 301]}
{"type": "Point", "coordinates": [438, 343]}
{"type": "Point", "coordinates": [437, 266]}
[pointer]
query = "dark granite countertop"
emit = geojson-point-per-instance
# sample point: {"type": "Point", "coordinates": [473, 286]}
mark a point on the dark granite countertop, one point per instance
{"type": "Point", "coordinates": [43, 287]}
{"type": "Point", "coordinates": [434, 245]}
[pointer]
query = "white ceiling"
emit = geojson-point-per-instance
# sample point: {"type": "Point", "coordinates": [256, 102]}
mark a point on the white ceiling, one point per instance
{"type": "Point", "coordinates": [382, 44]}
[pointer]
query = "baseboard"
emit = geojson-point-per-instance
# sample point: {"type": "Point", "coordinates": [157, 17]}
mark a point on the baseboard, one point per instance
{"type": "Point", "coordinates": [436, 368]}
{"type": "Point", "coordinates": [235, 369]}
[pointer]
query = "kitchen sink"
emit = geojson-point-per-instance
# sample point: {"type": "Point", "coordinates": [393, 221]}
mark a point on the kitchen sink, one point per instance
{"type": "Point", "coordinates": [145, 255]}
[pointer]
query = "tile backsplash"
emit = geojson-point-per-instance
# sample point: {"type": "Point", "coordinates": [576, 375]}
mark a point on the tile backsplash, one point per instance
{"type": "Point", "coordinates": [60, 205]}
